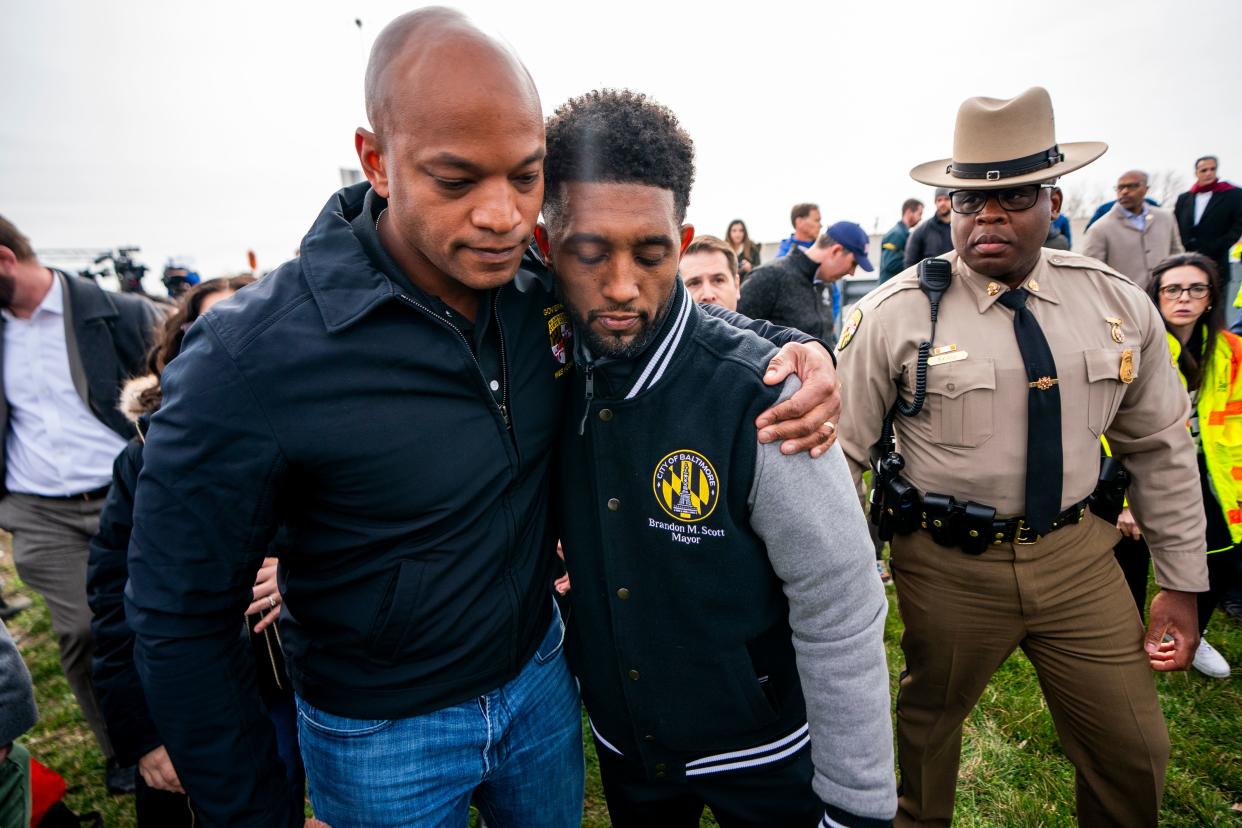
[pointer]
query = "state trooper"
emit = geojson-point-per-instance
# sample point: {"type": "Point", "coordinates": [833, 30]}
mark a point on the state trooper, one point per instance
{"type": "Point", "coordinates": [997, 413]}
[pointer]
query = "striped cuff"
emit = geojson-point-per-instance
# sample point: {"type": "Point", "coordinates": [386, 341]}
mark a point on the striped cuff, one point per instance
{"type": "Point", "coordinates": [835, 817]}
{"type": "Point", "coordinates": [751, 757]}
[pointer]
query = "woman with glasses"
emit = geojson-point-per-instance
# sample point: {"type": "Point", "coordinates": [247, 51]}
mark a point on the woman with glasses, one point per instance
{"type": "Point", "coordinates": [1186, 289]}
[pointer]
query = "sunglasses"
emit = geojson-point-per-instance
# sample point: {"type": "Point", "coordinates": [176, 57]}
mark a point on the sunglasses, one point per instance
{"type": "Point", "coordinates": [1011, 199]}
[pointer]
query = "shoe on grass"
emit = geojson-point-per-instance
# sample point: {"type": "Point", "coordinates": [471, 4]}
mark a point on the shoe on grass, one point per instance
{"type": "Point", "coordinates": [1209, 662]}
{"type": "Point", "coordinates": [885, 577]}
{"type": "Point", "coordinates": [13, 605]}
{"type": "Point", "coordinates": [119, 780]}
{"type": "Point", "coordinates": [1232, 607]}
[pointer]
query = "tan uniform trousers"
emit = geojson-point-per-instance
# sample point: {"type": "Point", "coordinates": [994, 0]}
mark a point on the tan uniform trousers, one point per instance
{"type": "Point", "coordinates": [1064, 601]}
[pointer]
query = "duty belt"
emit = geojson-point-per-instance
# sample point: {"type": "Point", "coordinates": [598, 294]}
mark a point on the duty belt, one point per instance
{"type": "Point", "coordinates": [974, 527]}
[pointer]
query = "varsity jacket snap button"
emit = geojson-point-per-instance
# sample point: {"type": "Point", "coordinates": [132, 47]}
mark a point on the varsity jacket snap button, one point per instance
{"type": "Point", "coordinates": [613, 504]}
{"type": "Point", "coordinates": [623, 594]}
{"type": "Point", "coordinates": [605, 414]}
{"type": "Point", "coordinates": [633, 675]}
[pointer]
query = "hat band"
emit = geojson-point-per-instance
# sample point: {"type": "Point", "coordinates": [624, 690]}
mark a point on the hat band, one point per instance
{"type": "Point", "coordinates": [996, 170]}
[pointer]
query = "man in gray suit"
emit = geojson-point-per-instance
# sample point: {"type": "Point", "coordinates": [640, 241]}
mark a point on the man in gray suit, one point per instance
{"type": "Point", "coordinates": [67, 347]}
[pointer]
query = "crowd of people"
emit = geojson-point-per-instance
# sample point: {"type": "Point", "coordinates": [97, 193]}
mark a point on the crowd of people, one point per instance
{"type": "Point", "coordinates": [329, 566]}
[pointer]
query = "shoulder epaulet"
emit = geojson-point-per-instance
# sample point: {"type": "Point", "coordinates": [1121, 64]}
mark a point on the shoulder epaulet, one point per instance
{"type": "Point", "coordinates": [1065, 258]}
{"type": "Point", "coordinates": [907, 279]}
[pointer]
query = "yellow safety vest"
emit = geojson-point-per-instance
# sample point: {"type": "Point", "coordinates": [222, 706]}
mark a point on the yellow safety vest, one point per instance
{"type": "Point", "coordinates": [1220, 424]}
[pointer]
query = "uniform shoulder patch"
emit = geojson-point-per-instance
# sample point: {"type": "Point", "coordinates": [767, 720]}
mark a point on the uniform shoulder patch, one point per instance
{"type": "Point", "coordinates": [889, 246]}
{"type": "Point", "coordinates": [851, 328]}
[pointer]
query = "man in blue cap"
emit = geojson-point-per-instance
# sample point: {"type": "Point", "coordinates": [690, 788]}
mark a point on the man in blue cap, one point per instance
{"type": "Point", "coordinates": [795, 290]}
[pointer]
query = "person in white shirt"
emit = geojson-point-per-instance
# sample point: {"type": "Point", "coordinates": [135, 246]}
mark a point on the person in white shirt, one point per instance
{"type": "Point", "coordinates": [66, 348]}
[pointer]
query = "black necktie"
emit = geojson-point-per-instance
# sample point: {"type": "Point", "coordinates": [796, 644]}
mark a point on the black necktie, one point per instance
{"type": "Point", "coordinates": [1043, 416]}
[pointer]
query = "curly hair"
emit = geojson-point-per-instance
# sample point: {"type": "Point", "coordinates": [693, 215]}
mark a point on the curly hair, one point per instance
{"type": "Point", "coordinates": [615, 135]}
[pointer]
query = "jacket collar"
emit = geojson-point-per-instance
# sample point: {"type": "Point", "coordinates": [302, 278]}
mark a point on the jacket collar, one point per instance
{"type": "Point", "coordinates": [83, 299]}
{"type": "Point", "coordinates": [802, 264]}
{"type": "Point", "coordinates": [647, 369]}
{"type": "Point", "coordinates": [345, 283]}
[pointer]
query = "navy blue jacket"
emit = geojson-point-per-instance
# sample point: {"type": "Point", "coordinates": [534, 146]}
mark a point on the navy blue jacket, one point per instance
{"type": "Point", "coordinates": [331, 401]}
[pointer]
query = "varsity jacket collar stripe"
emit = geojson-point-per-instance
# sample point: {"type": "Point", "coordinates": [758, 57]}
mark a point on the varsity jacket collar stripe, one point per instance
{"type": "Point", "coordinates": [662, 355]}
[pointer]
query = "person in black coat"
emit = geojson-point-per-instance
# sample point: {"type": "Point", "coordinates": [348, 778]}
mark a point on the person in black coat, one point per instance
{"type": "Point", "coordinates": [160, 801]}
{"type": "Point", "coordinates": [1209, 216]}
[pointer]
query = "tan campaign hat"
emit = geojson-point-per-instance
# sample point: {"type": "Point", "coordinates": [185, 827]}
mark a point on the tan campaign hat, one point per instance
{"type": "Point", "coordinates": [1003, 143]}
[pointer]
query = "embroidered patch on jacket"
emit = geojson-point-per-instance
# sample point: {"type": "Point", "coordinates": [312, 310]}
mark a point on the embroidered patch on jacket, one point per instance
{"type": "Point", "coordinates": [560, 336]}
{"type": "Point", "coordinates": [686, 486]}
{"type": "Point", "coordinates": [851, 328]}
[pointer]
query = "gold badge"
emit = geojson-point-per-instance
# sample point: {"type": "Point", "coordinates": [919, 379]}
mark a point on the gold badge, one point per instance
{"type": "Point", "coordinates": [1115, 325]}
{"type": "Point", "coordinates": [851, 328]}
{"type": "Point", "coordinates": [1127, 366]}
{"type": "Point", "coordinates": [1033, 285]}
{"type": "Point", "coordinates": [993, 288]}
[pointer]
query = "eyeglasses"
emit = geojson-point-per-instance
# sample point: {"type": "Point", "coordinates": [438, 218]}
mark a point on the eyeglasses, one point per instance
{"type": "Point", "coordinates": [1174, 292]}
{"type": "Point", "coordinates": [1011, 199]}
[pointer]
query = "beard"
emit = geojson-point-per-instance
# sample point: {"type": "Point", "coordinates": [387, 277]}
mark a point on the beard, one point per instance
{"type": "Point", "coordinates": [615, 346]}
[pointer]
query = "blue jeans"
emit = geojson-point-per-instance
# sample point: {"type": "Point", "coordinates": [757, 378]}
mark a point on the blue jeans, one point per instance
{"type": "Point", "coordinates": [517, 752]}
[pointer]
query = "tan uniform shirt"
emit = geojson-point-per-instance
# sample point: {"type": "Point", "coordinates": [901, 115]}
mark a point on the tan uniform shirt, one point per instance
{"type": "Point", "coordinates": [970, 439]}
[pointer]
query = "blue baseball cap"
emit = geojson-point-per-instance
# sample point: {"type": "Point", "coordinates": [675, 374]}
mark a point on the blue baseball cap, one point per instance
{"type": "Point", "coordinates": [854, 239]}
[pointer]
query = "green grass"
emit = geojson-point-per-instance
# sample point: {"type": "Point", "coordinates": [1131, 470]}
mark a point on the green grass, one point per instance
{"type": "Point", "coordinates": [1013, 774]}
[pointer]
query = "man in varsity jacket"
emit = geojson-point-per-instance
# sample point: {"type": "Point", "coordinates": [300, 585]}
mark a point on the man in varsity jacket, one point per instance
{"type": "Point", "coordinates": [726, 623]}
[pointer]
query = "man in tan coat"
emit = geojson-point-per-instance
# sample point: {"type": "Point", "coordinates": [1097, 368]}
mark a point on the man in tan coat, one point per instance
{"type": "Point", "coordinates": [1033, 355]}
{"type": "Point", "coordinates": [1133, 237]}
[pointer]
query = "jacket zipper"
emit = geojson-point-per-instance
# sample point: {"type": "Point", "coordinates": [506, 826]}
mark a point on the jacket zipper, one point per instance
{"type": "Point", "coordinates": [504, 364]}
{"type": "Point", "coordinates": [589, 376]}
{"type": "Point", "coordinates": [504, 410]}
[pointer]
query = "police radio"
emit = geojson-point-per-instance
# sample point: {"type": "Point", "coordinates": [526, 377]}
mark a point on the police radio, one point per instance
{"type": "Point", "coordinates": [894, 502]}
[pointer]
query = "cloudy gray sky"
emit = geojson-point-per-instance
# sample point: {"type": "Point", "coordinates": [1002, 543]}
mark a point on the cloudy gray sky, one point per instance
{"type": "Point", "coordinates": [201, 130]}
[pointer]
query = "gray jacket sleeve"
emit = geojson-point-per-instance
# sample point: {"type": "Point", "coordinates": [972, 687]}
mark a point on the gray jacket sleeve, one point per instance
{"type": "Point", "coordinates": [808, 515]}
{"type": "Point", "coordinates": [17, 704]}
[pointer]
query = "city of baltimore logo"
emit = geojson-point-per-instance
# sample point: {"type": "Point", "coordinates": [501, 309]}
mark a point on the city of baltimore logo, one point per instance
{"type": "Point", "coordinates": [686, 485]}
